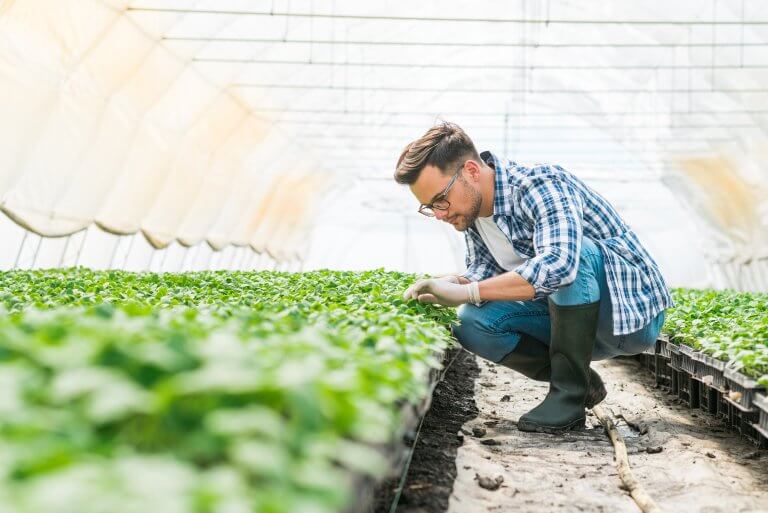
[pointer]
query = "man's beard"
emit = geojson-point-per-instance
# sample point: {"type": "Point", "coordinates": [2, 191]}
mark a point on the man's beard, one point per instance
{"type": "Point", "coordinates": [476, 200]}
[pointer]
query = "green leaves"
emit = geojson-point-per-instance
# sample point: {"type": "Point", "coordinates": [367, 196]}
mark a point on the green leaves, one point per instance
{"type": "Point", "coordinates": [220, 391]}
{"type": "Point", "coordinates": [731, 326]}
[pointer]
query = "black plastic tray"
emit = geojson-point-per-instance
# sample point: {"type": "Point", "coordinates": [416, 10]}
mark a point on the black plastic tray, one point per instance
{"type": "Point", "coordinates": [712, 367]}
{"type": "Point", "coordinates": [662, 345]}
{"type": "Point", "coordinates": [709, 385]}
{"type": "Point", "coordinates": [742, 390]}
{"type": "Point", "coordinates": [687, 362]}
{"type": "Point", "coordinates": [760, 402]}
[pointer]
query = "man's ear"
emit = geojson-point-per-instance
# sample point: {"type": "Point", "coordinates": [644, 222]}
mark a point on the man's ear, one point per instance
{"type": "Point", "coordinates": [472, 168]}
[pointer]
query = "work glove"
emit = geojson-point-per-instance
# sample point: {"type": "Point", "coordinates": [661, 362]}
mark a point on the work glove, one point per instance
{"type": "Point", "coordinates": [408, 294]}
{"type": "Point", "coordinates": [446, 291]}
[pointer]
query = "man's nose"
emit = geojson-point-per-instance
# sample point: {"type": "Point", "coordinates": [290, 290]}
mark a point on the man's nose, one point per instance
{"type": "Point", "coordinates": [441, 214]}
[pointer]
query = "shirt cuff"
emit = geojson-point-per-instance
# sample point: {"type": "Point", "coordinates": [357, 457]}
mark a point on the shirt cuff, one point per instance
{"type": "Point", "coordinates": [535, 274]}
{"type": "Point", "coordinates": [472, 276]}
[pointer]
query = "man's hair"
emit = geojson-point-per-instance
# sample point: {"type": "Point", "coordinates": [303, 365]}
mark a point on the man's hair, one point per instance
{"type": "Point", "coordinates": [441, 146]}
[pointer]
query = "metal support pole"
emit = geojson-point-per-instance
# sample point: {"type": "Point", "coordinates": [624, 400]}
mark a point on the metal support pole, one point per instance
{"type": "Point", "coordinates": [162, 260]}
{"type": "Point", "coordinates": [184, 259]}
{"type": "Point", "coordinates": [37, 251]}
{"type": "Point", "coordinates": [152, 252]}
{"type": "Point", "coordinates": [80, 249]}
{"type": "Point", "coordinates": [128, 253]}
{"type": "Point", "coordinates": [195, 253]}
{"type": "Point", "coordinates": [63, 253]}
{"type": "Point", "coordinates": [21, 248]}
{"type": "Point", "coordinates": [114, 252]}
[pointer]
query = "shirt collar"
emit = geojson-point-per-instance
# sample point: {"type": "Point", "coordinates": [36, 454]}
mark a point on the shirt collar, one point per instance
{"type": "Point", "coordinates": [502, 191]}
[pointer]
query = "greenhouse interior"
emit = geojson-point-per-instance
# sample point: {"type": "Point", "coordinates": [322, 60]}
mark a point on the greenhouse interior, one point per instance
{"type": "Point", "coordinates": [317, 256]}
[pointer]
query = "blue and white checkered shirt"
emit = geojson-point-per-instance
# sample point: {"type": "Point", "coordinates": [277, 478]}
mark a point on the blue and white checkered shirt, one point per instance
{"type": "Point", "coordinates": [544, 211]}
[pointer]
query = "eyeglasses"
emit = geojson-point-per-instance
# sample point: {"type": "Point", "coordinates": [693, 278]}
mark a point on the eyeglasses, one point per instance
{"type": "Point", "coordinates": [440, 203]}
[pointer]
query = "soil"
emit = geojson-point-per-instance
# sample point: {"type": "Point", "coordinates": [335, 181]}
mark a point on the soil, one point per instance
{"type": "Point", "coordinates": [433, 466]}
{"type": "Point", "coordinates": [685, 459]}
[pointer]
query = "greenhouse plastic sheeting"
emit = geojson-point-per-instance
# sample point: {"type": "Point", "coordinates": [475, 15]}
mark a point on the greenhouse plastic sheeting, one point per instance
{"type": "Point", "coordinates": [229, 121]}
{"type": "Point", "coordinates": [102, 123]}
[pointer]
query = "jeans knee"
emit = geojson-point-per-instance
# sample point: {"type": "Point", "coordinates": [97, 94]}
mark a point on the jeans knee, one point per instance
{"type": "Point", "coordinates": [476, 335]}
{"type": "Point", "coordinates": [470, 322]}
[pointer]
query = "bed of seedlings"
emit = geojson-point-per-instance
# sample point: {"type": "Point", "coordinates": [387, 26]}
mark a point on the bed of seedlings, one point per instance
{"type": "Point", "coordinates": [714, 355]}
{"type": "Point", "coordinates": [267, 391]}
{"type": "Point", "coordinates": [206, 392]}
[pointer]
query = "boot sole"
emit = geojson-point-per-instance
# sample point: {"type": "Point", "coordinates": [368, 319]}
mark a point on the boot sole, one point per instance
{"type": "Point", "coordinates": [530, 427]}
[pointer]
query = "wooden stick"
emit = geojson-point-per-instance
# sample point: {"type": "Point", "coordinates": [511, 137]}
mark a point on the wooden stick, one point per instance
{"type": "Point", "coordinates": [640, 496]}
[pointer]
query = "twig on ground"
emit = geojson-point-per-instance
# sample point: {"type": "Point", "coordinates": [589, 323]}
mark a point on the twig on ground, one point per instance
{"type": "Point", "coordinates": [640, 496]}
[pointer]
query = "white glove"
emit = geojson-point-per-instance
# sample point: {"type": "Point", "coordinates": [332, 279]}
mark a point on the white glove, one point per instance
{"type": "Point", "coordinates": [446, 291]}
{"type": "Point", "coordinates": [408, 294]}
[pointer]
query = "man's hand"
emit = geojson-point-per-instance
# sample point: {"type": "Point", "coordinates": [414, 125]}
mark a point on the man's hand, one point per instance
{"type": "Point", "coordinates": [409, 291]}
{"type": "Point", "coordinates": [446, 291]}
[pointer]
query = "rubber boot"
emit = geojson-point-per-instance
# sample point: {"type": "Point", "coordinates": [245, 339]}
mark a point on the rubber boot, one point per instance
{"type": "Point", "coordinates": [574, 328]}
{"type": "Point", "coordinates": [531, 359]}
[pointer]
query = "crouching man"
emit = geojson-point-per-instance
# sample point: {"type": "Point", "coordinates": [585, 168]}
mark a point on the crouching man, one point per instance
{"type": "Point", "coordinates": [555, 278]}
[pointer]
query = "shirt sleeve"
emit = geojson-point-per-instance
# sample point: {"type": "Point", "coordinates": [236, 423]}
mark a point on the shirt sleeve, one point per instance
{"type": "Point", "coordinates": [554, 208]}
{"type": "Point", "coordinates": [480, 264]}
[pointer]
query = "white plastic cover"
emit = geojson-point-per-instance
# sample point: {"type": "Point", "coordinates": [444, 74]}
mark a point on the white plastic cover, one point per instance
{"type": "Point", "coordinates": [227, 122]}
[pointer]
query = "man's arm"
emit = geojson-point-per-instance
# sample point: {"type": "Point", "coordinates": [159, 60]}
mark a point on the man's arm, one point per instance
{"type": "Point", "coordinates": [556, 213]}
{"type": "Point", "coordinates": [509, 286]}
{"type": "Point", "coordinates": [556, 216]}
{"type": "Point", "coordinates": [454, 290]}
{"type": "Point", "coordinates": [494, 284]}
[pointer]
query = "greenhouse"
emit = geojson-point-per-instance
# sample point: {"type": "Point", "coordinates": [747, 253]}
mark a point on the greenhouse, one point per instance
{"type": "Point", "coordinates": [323, 256]}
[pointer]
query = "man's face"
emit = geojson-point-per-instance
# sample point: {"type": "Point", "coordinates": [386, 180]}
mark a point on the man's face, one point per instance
{"type": "Point", "coordinates": [464, 196]}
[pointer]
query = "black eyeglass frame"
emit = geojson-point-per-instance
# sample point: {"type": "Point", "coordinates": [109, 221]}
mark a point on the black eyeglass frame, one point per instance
{"type": "Point", "coordinates": [424, 207]}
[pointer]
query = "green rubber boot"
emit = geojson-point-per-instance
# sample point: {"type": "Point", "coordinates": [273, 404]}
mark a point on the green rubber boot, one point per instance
{"type": "Point", "coordinates": [574, 328]}
{"type": "Point", "coordinates": [531, 359]}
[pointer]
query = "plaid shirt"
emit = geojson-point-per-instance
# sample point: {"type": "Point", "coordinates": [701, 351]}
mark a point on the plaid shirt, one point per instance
{"type": "Point", "coordinates": [544, 211]}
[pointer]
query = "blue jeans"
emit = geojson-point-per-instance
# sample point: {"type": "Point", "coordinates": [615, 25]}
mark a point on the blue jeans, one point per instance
{"type": "Point", "coordinates": [493, 329]}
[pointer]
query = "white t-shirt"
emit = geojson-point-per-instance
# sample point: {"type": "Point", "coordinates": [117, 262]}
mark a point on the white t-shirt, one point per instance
{"type": "Point", "coordinates": [498, 244]}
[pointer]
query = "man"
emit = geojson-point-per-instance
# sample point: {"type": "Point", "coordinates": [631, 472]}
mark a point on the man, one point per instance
{"type": "Point", "coordinates": [555, 278]}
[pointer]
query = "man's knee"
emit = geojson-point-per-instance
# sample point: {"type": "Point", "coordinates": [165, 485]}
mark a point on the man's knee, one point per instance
{"type": "Point", "coordinates": [479, 334]}
{"type": "Point", "coordinates": [474, 331]}
{"type": "Point", "coordinates": [471, 322]}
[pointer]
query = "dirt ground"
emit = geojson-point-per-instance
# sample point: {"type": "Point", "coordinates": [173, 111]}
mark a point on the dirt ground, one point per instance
{"type": "Point", "coordinates": [686, 460]}
{"type": "Point", "coordinates": [433, 469]}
